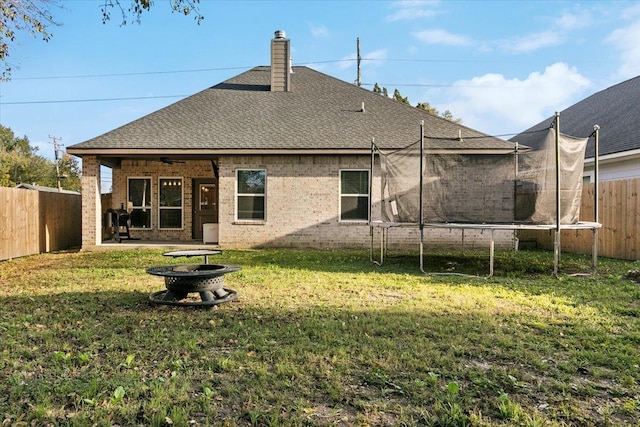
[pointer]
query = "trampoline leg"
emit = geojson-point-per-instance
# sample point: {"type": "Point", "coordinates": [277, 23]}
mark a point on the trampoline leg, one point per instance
{"type": "Point", "coordinates": [371, 247]}
{"type": "Point", "coordinates": [378, 263]}
{"type": "Point", "coordinates": [594, 251]}
{"type": "Point", "coordinates": [491, 255]}
{"type": "Point", "coordinates": [383, 244]}
{"type": "Point", "coordinates": [422, 251]}
{"type": "Point", "coordinates": [556, 253]}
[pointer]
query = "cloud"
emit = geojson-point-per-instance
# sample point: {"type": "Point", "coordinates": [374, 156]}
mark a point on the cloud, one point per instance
{"type": "Point", "coordinates": [625, 40]}
{"type": "Point", "coordinates": [532, 42]}
{"type": "Point", "coordinates": [378, 55]}
{"type": "Point", "coordinates": [412, 10]}
{"type": "Point", "coordinates": [570, 21]}
{"type": "Point", "coordinates": [567, 22]}
{"type": "Point", "coordinates": [442, 37]}
{"type": "Point", "coordinates": [319, 31]}
{"type": "Point", "coordinates": [495, 104]}
{"type": "Point", "coordinates": [371, 59]}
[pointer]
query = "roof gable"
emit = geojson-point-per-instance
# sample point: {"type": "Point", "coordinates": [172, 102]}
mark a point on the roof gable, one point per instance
{"type": "Point", "coordinates": [319, 113]}
{"type": "Point", "coordinates": [614, 109]}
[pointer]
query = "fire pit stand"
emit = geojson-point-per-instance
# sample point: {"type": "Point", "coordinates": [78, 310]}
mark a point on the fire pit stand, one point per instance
{"type": "Point", "coordinates": [205, 279]}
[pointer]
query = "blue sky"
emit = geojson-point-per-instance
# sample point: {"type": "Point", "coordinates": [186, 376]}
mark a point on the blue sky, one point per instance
{"type": "Point", "coordinates": [500, 66]}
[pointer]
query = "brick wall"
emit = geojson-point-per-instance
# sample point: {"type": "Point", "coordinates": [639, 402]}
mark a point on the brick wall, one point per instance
{"type": "Point", "coordinates": [302, 203]}
{"type": "Point", "coordinates": [91, 210]}
{"type": "Point", "coordinates": [156, 170]}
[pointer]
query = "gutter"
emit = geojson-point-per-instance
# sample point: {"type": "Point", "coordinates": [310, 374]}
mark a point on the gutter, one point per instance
{"type": "Point", "coordinates": [610, 158]}
{"type": "Point", "coordinates": [116, 152]}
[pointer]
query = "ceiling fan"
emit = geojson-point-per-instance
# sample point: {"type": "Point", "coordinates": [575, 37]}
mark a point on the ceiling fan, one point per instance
{"type": "Point", "coordinates": [169, 161]}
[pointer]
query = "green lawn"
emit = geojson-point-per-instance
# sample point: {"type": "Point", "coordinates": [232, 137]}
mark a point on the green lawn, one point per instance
{"type": "Point", "coordinates": [320, 338]}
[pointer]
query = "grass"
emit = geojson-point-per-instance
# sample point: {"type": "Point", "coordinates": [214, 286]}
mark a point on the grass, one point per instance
{"type": "Point", "coordinates": [320, 338]}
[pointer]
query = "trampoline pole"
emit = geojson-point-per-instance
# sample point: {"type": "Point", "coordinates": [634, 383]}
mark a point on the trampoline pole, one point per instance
{"type": "Point", "coordinates": [556, 245]}
{"type": "Point", "coordinates": [370, 203]}
{"type": "Point", "coordinates": [421, 171]}
{"type": "Point", "coordinates": [594, 250]}
{"type": "Point", "coordinates": [371, 232]}
{"type": "Point", "coordinates": [371, 163]}
{"type": "Point", "coordinates": [515, 195]}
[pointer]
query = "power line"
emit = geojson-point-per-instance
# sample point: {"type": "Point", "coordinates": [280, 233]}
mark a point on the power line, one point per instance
{"type": "Point", "coordinates": [134, 98]}
{"type": "Point", "coordinates": [427, 85]}
{"type": "Point", "coordinates": [203, 70]}
{"type": "Point", "coordinates": [142, 73]}
{"type": "Point", "coordinates": [396, 85]}
{"type": "Point", "coordinates": [147, 73]}
{"type": "Point", "coordinates": [63, 101]}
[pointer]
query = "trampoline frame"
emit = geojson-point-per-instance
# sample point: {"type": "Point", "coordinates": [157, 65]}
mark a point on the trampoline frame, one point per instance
{"type": "Point", "coordinates": [491, 227]}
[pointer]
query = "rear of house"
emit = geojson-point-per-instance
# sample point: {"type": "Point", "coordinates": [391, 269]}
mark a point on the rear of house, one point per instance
{"type": "Point", "coordinates": [269, 200]}
{"type": "Point", "coordinates": [275, 156]}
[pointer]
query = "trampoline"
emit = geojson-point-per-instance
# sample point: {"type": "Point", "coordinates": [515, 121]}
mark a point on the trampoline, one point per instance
{"type": "Point", "coordinates": [431, 186]}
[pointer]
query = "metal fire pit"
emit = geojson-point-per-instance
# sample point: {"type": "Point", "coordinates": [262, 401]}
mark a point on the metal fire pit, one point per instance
{"type": "Point", "coordinates": [181, 280]}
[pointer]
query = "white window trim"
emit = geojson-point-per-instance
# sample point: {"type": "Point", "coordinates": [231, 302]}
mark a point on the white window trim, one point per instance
{"type": "Point", "coordinates": [142, 207]}
{"type": "Point", "coordinates": [171, 207]}
{"type": "Point", "coordinates": [340, 195]}
{"type": "Point", "coordinates": [264, 195]}
{"type": "Point", "coordinates": [589, 176]}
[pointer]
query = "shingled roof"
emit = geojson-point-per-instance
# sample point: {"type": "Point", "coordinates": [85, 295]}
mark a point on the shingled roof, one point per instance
{"type": "Point", "coordinates": [319, 113]}
{"type": "Point", "coordinates": [614, 109]}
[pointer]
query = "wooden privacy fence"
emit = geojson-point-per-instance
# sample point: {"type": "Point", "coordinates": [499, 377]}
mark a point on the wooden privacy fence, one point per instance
{"type": "Point", "coordinates": [619, 213]}
{"type": "Point", "coordinates": [33, 222]}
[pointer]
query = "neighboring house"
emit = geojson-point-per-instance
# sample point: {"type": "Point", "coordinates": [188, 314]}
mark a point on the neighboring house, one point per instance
{"type": "Point", "coordinates": [47, 189]}
{"type": "Point", "coordinates": [616, 111]}
{"type": "Point", "coordinates": [275, 156]}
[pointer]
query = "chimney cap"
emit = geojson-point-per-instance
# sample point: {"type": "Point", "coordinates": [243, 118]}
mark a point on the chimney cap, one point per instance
{"type": "Point", "coordinates": [280, 34]}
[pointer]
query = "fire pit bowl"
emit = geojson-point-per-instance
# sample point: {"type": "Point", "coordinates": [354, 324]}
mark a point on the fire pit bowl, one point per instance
{"type": "Point", "coordinates": [205, 279]}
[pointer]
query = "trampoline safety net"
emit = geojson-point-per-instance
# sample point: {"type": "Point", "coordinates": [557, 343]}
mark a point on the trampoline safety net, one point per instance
{"type": "Point", "coordinates": [518, 187]}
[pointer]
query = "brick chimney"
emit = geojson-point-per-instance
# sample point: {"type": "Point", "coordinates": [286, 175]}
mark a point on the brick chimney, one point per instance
{"type": "Point", "coordinates": [280, 63]}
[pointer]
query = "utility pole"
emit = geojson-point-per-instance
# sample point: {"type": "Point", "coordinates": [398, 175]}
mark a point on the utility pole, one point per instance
{"type": "Point", "coordinates": [358, 82]}
{"type": "Point", "coordinates": [56, 148]}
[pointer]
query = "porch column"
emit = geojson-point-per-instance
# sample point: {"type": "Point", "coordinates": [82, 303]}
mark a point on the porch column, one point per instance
{"type": "Point", "coordinates": [91, 205]}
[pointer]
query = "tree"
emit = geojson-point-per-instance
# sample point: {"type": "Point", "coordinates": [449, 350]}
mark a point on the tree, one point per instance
{"type": "Point", "coordinates": [138, 7]}
{"type": "Point", "coordinates": [434, 111]}
{"type": "Point", "coordinates": [421, 105]}
{"type": "Point", "coordinates": [32, 16]}
{"type": "Point", "coordinates": [35, 17]}
{"type": "Point", "coordinates": [449, 116]}
{"type": "Point", "coordinates": [425, 106]}
{"type": "Point", "coordinates": [10, 143]}
{"type": "Point", "coordinates": [398, 97]}
{"type": "Point", "coordinates": [380, 91]}
{"type": "Point", "coordinates": [70, 172]}
{"type": "Point", "coordinates": [20, 163]}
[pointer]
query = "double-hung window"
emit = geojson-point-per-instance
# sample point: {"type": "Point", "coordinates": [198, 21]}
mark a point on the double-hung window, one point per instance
{"type": "Point", "coordinates": [354, 195]}
{"type": "Point", "coordinates": [139, 198]}
{"type": "Point", "coordinates": [170, 206]}
{"type": "Point", "coordinates": [251, 194]}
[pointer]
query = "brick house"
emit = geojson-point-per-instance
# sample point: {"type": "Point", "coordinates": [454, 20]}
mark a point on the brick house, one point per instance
{"type": "Point", "coordinates": [275, 156]}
